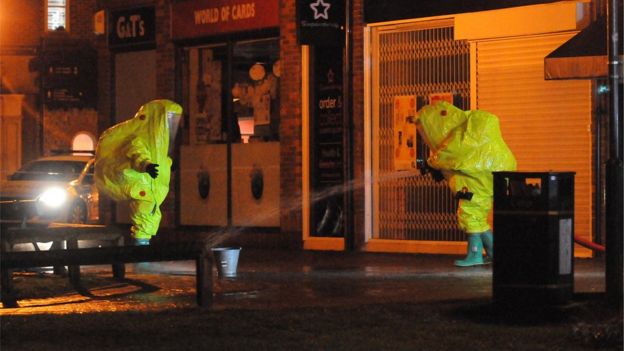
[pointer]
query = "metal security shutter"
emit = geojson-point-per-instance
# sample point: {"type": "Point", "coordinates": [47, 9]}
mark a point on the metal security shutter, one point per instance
{"type": "Point", "coordinates": [547, 124]}
{"type": "Point", "coordinates": [417, 59]}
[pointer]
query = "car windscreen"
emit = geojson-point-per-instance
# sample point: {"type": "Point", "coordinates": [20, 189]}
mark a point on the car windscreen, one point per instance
{"type": "Point", "coordinates": [50, 170]}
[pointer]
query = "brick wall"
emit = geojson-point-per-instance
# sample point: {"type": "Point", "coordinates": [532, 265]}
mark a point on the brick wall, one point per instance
{"type": "Point", "coordinates": [165, 89]}
{"type": "Point", "coordinates": [81, 18]}
{"type": "Point", "coordinates": [63, 124]}
{"type": "Point", "coordinates": [60, 126]}
{"type": "Point", "coordinates": [165, 52]}
{"type": "Point", "coordinates": [290, 125]}
{"type": "Point", "coordinates": [358, 119]}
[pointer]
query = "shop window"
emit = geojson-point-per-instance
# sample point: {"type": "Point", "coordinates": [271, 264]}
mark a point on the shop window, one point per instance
{"type": "Point", "coordinates": [56, 14]}
{"type": "Point", "coordinates": [206, 103]}
{"type": "Point", "coordinates": [255, 88]}
{"type": "Point", "coordinates": [233, 92]}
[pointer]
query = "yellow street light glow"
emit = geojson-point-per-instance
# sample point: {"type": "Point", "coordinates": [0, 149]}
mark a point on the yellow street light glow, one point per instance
{"type": "Point", "coordinates": [53, 197]}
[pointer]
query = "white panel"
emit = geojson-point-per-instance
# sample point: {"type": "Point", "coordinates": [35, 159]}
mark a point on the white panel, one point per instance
{"type": "Point", "coordinates": [196, 162]}
{"type": "Point", "coordinates": [135, 82]}
{"type": "Point", "coordinates": [517, 21]}
{"type": "Point", "coordinates": [547, 124]}
{"type": "Point", "coordinates": [247, 159]}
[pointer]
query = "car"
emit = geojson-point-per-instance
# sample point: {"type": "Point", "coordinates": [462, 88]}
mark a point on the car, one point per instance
{"type": "Point", "coordinates": [57, 188]}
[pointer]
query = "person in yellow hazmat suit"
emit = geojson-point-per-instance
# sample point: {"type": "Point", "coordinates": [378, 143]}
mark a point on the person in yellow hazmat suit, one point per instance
{"type": "Point", "coordinates": [465, 148]}
{"type": "Point", "coordinates": [133, 164]}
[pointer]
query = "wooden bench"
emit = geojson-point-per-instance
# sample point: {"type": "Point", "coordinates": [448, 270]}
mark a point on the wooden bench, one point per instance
{"type": "Point", "coordinates": [117, 256]}
{"type": "Point", "coordinates": [65, 235]}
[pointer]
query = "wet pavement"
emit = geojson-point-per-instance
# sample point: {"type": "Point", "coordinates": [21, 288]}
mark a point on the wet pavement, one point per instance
{"type": "Point", "coordinates": [303, 300]}
{"type": "Point", "coordinates": [272, 279]}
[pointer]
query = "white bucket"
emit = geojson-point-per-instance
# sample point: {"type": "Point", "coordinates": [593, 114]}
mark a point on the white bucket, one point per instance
{"type": "Point", "coordinates": [226, 259]}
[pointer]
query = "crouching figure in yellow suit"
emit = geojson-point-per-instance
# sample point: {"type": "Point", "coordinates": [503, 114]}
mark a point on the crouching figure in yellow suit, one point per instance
{"type": "Point", "coordinates": [132, 164]}
{"type": "Point", "coordinates": [466, 147]}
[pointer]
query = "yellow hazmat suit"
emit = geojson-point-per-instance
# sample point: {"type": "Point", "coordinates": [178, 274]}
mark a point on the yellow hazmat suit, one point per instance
{"type": "Point", "coordinates": [467, 146]}
{"type": "Point", "coordinates": [123, 156]}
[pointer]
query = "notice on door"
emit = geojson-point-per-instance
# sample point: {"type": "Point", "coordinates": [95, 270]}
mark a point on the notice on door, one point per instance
{"type": "Point", "coordinates": [404, 114]}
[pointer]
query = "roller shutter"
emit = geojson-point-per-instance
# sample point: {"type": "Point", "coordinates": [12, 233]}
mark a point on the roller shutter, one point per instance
{"type": "Point", "coordinates": [547, 124]}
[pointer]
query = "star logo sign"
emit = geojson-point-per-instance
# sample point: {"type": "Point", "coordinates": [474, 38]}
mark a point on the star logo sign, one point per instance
{"type": "Point", "coordinates": [320, 9]}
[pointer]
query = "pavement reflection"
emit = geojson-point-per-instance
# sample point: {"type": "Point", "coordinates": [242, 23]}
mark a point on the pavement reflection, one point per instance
{"type": "Point", "coordinates": [275, 279]}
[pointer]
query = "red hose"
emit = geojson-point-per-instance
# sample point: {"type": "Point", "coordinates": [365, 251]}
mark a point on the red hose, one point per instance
{"type": "Point", "coordinates": [588, 244]}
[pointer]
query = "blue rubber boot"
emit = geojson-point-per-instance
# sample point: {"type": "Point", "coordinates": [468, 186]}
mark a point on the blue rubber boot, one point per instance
{"type": "Point", "coordinates": [474, 257]}
{"type": "Point", "coordinates": [142, 267]}
{"type": "Point", "coordinates": [488, 243]}
{"type": "Point", "coordinates": [141, 242]}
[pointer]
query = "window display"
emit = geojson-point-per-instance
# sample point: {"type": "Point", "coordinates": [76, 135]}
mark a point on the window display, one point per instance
{"type": "Point", "coordinates": [206, 112]}
{"type": "Point", "coordinates": [255, 91]}
{"type": "Point", "coordinates": [252, 85]}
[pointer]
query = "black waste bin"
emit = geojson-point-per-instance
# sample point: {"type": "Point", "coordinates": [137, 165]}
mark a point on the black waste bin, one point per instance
{"type": "Point", "coordinates": [533, 242]}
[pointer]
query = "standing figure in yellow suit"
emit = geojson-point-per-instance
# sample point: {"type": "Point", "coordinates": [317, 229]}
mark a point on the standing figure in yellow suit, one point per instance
{"type": "Point", "coordinates": [132, 164]}
{"type": "Point", "coordinates": [466, 147]}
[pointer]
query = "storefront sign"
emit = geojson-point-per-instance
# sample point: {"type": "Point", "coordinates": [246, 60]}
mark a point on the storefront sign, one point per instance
{"type": "Point", "coordinates": [68, 75]}
{"type": "Point", "coordinates": [132, 27]}
{"type": "Point", "coordinates": [328, 154]}
{"type": "Point", "coordinates": [320, 22]}
{"type": "Point", "coordinates": [199, 18]}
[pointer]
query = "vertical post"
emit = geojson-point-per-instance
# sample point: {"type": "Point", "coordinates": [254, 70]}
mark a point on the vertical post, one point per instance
{"type": "Point", "coordinates": [119, 268]}
{"type": "Point", "coordinates": [74, 270]}
{"type": "Point", "coordinates": [229, 111]}
{"type": "Point", "coordinates": [57, 245]}
{"type": "Point", "coordinates": [597, 115]}
{"type": "Point", "coordinates": [8, 300]}
{"type": "Point", "coordinates": [203, 278]}
{"type": "Point", "coordinates": [349, 234]}
{"type": "Point", "coordinates": [614, 193]}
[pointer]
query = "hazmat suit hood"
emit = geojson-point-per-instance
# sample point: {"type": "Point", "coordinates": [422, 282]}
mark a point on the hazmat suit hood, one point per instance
{"type": "Point", "coordinates": [466, 141]}
{"type": "Point", "coordinates": [435, 123]}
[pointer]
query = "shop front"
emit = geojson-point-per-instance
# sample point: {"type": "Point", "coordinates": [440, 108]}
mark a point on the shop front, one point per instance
{"type": "Point", "coordinates": [229, 64]}
{"type": "Point", "coordinates": [447, 53]}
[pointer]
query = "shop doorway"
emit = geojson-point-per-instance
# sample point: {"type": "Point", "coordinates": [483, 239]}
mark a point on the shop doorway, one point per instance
{"type": "Point", "coordinates": [412, 65]}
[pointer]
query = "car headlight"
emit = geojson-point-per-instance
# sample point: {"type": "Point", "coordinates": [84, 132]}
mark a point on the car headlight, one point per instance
{"type": "Point", "coordinates": [53, 198]}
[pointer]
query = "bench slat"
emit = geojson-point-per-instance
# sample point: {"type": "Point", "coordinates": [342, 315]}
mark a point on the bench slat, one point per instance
{"type": "Point", "coordinates": [58, 232]}
{"type": "Point", "coordinates": [103, 255]}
